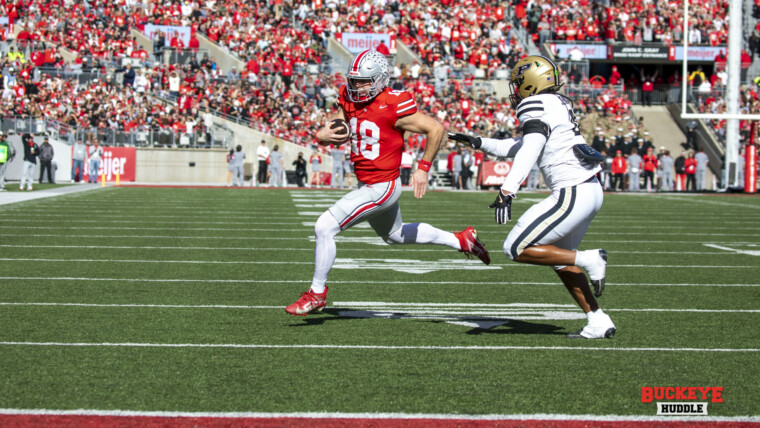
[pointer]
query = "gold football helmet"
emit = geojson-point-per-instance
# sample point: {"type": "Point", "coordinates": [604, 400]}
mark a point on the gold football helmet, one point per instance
{"type": "Point", "coordinates": [533, 75]}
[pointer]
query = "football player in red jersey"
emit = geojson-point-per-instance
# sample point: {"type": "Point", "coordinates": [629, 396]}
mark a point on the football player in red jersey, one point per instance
{"type": "Point", "coordinates": [378, 118]}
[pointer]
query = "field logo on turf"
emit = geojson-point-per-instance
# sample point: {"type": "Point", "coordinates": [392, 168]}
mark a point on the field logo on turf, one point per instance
{"type": "Point", "coordinates": [750, 250]}
{"type": "Point", "coordinates": [482, 316]}
{"type": "Point", "coordinates": [687, 396]}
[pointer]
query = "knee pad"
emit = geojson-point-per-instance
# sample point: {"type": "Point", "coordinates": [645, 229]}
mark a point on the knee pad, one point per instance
{"type": "Point", "coordinates": [326, 225]}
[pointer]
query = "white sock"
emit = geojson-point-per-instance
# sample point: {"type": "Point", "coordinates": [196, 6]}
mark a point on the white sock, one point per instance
{"type": "Point", "coordinates": [423, 233]}
{"type": "Point", "coordinates": [324, 250]}
{"type": "Point", "coordinates": [584, 258]}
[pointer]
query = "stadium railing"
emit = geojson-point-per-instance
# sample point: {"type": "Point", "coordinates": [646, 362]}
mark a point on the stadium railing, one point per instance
{"type": "Point", "coordinates": [184, 55]}
{"type": "Point", "coordinates": [137, 138]}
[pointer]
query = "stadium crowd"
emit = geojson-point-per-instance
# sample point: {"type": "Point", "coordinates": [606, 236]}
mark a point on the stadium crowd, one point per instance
{"type": "Point", "coordinates": [626, 21]}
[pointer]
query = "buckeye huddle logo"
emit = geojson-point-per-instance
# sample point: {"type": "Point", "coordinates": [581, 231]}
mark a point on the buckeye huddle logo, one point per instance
{"type": "Point", "coordinates": [686, 396]}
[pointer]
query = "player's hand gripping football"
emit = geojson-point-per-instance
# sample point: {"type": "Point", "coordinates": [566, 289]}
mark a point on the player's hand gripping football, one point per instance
{"type": "Point", "coordinates": [336, 132]}
{"type": "Point", "coordinates": [465, 139]}
{"type": "Point", "coordinates": [502, 208]}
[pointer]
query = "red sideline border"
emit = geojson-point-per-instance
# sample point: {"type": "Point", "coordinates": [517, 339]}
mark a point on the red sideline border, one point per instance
{"type": "Point", "coordinates": [108, 419]}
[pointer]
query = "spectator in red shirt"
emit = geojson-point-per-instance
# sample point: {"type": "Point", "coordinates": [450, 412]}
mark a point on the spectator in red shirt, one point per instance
{"type": "Point", "coordinates": [615, 77]}
{"type": "Point", "coordinates": [383, 49]}
{"type": "Point", "coordinates": [194, 44]}
{"type": "Point", "coordinates": [619, 166]}
{"type": "Point", "coordinates": [252, 65]}
{"type": "Point", "coordinates": [650, 165]}
{"type": "Point", "coordinates": [746, 62]}
{"type": "Point", "coordinates": [286, 71]}
{"type": "Point", "coordinates": [690, 167]}
{"type": "Point", "coordinates": [176, 41]}
{"type": "Point", "coordinates": [647, 87]}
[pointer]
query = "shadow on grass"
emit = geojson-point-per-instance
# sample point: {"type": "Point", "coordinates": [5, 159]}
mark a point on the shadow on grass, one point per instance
{"type": "Point", "coordinates": [484, 325]}
{"type": "Point", "coordinates": [522, 327]}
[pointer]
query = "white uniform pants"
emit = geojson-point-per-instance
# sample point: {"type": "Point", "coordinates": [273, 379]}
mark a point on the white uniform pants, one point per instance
{"type": "Point", "coordinates": [560, 220]}
{"type": "Point", "coordinates": [376, 203]}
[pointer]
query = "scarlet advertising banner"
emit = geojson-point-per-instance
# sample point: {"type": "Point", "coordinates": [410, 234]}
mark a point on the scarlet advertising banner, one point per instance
{"type": "Point", "coordinates": [493, 173]}
{"type": "Point", "coordinates": [115, 160]}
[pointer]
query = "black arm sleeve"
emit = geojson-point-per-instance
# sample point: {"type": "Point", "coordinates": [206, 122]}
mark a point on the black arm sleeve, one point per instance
{"type": "Point", "coordinates": [535, 126]}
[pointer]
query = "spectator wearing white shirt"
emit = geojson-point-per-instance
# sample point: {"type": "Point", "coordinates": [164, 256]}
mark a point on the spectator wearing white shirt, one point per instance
{"type": "Point", "coordinates": [141, 82]}
{"type": "Point", "coordinates": [415, 69]}
{"type": "Point", "coordinates": [262, 153]}
{"type": "Point", "coordinates": [174, 84]}
{"type": "Point", "coordinates": [575, 54]}
{"type": "Point", "coordinates": [695, 36]}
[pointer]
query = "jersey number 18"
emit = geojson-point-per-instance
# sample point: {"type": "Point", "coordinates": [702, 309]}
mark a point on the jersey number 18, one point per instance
{"type": "Point", "coordinates": [366, 141]}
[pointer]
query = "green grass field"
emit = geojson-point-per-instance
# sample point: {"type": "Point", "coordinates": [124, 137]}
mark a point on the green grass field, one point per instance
{"type": "Point", "coordinates": [117, 299]}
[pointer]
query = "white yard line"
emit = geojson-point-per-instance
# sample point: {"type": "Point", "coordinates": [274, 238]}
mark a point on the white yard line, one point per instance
{"type": "Point", "coordinates": [370, 248]}
{"type": "Point", "coordinates": [428, 308]}
{"type": "Point", "coordinates": [706, 201]}
{"type": "Point", "coordinates": [138, 210]}
{"type": "Point", "coordinates": [271, 262]}
{"type": "Point", "coordinates": [143, 221]}
{"type": "Point", "coordinates": [300, 229]}
{"type": "Point", "coordinates": [373, 347]}
{"type": "Point", "coordinates": [481, 228]}
{"type": "Point", "coordinates": [380, 416]}
{"type": "Point", "coordinates": [352, 282]}
{"type": "Point", "coordinates": [258, 238]}
{"type": "Point", "coordinates": [597, 222]}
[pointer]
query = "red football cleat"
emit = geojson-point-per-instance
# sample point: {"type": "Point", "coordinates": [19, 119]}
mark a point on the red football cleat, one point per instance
{"type": "Point", "coordinates": [308, 302]}
{"type": "Point", "coordinates": [471, 245]}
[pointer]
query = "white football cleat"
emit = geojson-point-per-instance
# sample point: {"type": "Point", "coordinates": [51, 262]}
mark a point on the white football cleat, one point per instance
{"type": "Point", "coordinates": [599, 326]}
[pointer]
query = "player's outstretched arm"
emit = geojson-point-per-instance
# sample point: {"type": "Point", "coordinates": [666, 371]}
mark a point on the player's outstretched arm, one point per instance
{"type": "Point", "coordinates": [525, 158]}
{"type": "Point", "coordinates": [499, 148]}
{"type": "Point", "coordinates": [326, 135]}
{"type": "Point", "coordinates": [420, 123]}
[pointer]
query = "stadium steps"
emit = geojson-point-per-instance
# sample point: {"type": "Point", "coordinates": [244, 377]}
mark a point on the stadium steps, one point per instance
{"type": "Point", "coordinates": [665, 132]}
{"type": "Point", "coordinates": [224, 59]}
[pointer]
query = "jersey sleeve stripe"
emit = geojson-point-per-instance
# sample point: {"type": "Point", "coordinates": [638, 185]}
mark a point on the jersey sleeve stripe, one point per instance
{"type": "Point", "coordinates": [528, 110]}
{"type": "Point", "coordinates": [522, 108]}
{"type": "Point", "coordinates": [403, 103]}
{"type": "Point", "coordinates": [406, 108]}
{"type": "Point", "coordinates": [526, 103]}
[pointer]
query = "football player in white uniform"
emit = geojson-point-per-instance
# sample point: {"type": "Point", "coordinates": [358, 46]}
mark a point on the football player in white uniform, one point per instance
{"type": "Point", "coordinates": [550, 231]}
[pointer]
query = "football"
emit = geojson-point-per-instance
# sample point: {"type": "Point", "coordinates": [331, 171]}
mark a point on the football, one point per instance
{"type": "Point", "coordinates": [340, 127]}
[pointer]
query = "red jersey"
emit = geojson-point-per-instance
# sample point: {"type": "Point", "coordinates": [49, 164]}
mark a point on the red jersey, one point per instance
{"type": "Point", "coordinates": [376, 143]}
